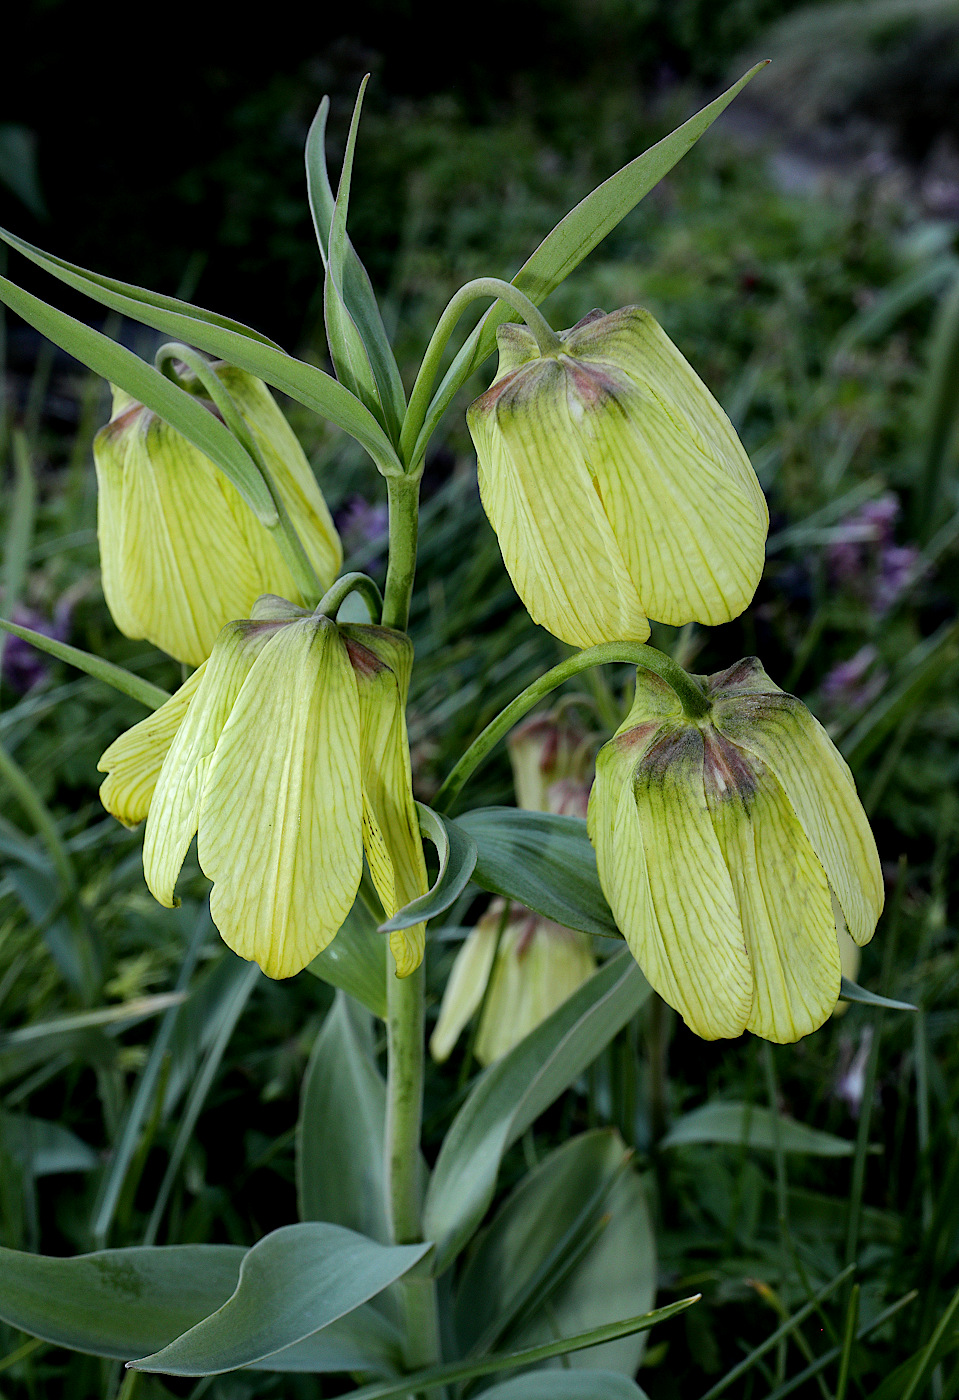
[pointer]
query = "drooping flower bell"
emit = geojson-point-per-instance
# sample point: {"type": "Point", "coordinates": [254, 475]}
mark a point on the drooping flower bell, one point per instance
{"type": "Point", "coordinates": [515, 966]}
{"type": "Point", "coordinates": [519, 969]}
{"type": "Point", "coordinates": [286, 755]}
{"type": "Point", "coordinates": [732, 848]}
{"type": "Point", "coordinates": [617, 487]}
{"type": "Point", "coordinates": [181, 552]}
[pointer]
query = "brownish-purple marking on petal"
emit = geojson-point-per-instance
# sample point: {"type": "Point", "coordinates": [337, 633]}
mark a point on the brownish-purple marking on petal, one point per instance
{"type": "Point", "coordinates": [727, 773]}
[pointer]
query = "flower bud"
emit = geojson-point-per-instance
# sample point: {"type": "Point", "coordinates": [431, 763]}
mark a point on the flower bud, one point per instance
{"type": "Point", "coordinates": [181, 552]}
{"type": "Point", "coordinates": [286, 755]}
{"type": "Point", "coordinates": [616, 484]}
{"type": "Point", "coordinates": [722, 844]}
{"type": "Point", "coordinates": [524, 973]}
{"type": "Point", "coordinates": [545, 750]}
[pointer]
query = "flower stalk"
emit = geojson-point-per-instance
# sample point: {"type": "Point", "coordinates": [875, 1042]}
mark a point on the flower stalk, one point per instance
{"type": "Point", "coordinates": [691, 696]}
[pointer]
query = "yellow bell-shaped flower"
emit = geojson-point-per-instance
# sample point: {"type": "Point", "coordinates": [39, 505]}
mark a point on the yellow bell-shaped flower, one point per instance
{"type": "Point", "coordinates": [515, 964]}
{"type": "Point", "coordinates": [181, 552]}
{"type": "Point", "coordinates": [286, 754]}
{"type": "Point", "coordinates": [518, 976]}
{"type": "Point", "coordinates": [616, 484]}
{"type": "Point", "coordinates": [731, 849]}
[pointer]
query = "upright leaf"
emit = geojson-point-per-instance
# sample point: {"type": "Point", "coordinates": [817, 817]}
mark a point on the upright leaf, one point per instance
{"type": "Point", "coordinates": [525, 1251]}
{"type": "Point", "coordinates": [356, 961]}
{"type": "Point", "coordinates": [340, 1134]}
{"type": "Point", "coordinates": [352, 278]}
{"type": "Point", "coordinates": [514, 1091]}
{"type": "Point", "coordinates": [576, 235]}
{"type": "Point", "coordinates": [567, 1385]}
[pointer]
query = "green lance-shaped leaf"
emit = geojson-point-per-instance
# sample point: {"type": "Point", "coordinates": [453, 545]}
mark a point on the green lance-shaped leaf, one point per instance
{"type": "Point", "coordinates": [44, 1148]}
{"type": "Point", "coordinates": [851, 991]}
{"type": "Point", "coordinates": [743, 1124]}
{"type": "Point", "coordinates": [437, 1376]}
{"type": "Point", "coordinates": [457, 856]}
{"type": "Point", "coordinates": [148, 386]}
{"type": "Point", "coordinates": [125, 681]}
{"type": "Point", "coordinates": [579, 1216]}
{"type": "Point", "coordinates": [575, 236]}
{"type": "Point", "coordinates": [356, 960]}
{"type": "Point", "coordinates": [294, 1282]}
{"type": "Point", "coordinates": [541, 860]}
{"type": "Point", "coordinates": [351, 278]}
{"type": "Point", "coordinates": [310, 386]}
{"type": "Point", "coordinates": [514, 1091]}
{"type": "Point", "coordinates": [340, 1134]}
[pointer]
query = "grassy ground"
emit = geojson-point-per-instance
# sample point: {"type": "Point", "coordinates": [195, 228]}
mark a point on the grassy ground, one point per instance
{"type": "Point", "coordinates": [782, 304]}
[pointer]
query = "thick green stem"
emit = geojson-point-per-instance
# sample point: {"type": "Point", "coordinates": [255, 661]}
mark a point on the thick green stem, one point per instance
{"type": "Point", "coordinates": [404, 499]}
{"type": "Point", "coordinates": [546, 338]}
{"type": "Point", "coordinates": [694, 702]}
{"type": "Point", "coordinates": [284, 531]}
{"type": "Point", "coordinates": [404, 1112]}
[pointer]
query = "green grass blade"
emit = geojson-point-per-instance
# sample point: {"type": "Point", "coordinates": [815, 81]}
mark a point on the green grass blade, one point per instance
{"type": "Point", "coordinates": [780, 1335]}
{"type": "Point", "coordinates": [849, 1337]}
{"type": "Point", "coordinates": [19, 536]}
{"type": "Point", "coordinates": [125, 681]}
{"type": "Point", "coordinates": [438, 1376]}
{"type": "Point", "coordinates": [245, 979]}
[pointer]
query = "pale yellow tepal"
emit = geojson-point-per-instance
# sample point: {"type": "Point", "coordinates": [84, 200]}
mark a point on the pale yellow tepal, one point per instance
{"type": "Point", "coordinates": [731, 850]}
{"type": "Point", "coordinates": [617, 487]}
{"type": "Point", "coordinates": [181, 552]}
{"type": "Point", "coordinates": [286, 755]}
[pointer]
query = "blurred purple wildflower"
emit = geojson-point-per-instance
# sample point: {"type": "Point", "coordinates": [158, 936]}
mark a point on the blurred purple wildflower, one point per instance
{"type": "Point", "coordinates": [23, 665]}
{"type": "Point", "coordinates": [848, 684]}
{"type": "Point", "coordinates": [865, 557]}
{"type": "Point", "coordinates": [359, 524]}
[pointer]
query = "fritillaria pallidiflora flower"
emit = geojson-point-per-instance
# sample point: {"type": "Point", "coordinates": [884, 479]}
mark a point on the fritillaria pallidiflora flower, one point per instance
{"type": "Point", "coordinates": [733, 850]}
{"type": "Point", "coordinates": [617, 487]}
{"type": "Point", "coordinates": [515, 964]}
{"type": "Point", "coordinates": [286, 755]}
{"type": "Point", "coordinates": [181, 552]}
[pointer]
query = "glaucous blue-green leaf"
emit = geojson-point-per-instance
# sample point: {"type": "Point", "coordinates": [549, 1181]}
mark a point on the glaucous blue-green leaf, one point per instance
{"type": "Point", "coordinates": [117, 1302]}
{"type": "Point", "coordinates": [615, 1277]}
{"type": "Point", "coordinates": [305, 383]}
{"type": "Point", "coordinates": [576, 235]}
{"type": "Point", "coordinates": [355, 961]}
{"type": "Point", "coordinates": [364, 1340]}
{"type": "Point", "coordinates": [116, 676]}
{"type": "Point", "coordinates": [546, 1221]}
{"type": "Point", "coordinates": [457, 856]}
{"type": "Point", "coordinates": [751, 1125]}
{"type": "Point", "coordinates": [340, 1134]}
{"type": "Point", "coordinates": [351, 276]}
{"type": "Point", "coordinates": [567, 1385]}
{"type": "Point", "coordinates": [541, 860]}
{"type": "Point", "coordinates": [44, 1148]}
{"type": "Point", "coordinates": [293, 1283]}
{"type": "Point", "coordinates": [851, 991]}
{"type": "Point", "coordinates": [514, 1091]}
